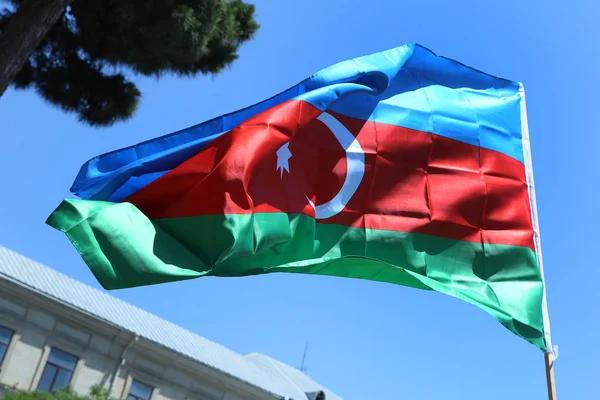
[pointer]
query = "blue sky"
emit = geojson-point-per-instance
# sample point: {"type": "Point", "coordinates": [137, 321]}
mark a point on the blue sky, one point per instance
{"type": "Point", "coordinates": [367, 340]}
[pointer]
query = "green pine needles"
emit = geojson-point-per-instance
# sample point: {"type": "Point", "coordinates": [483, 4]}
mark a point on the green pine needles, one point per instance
{"type": "Point", "coordinates": [84, 63]}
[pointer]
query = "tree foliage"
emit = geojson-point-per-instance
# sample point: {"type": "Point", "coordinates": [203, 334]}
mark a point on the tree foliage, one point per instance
{"type": "Point", "coordinates": [96, 393]}
{"type": "Point", "coordinates": [84, 63]}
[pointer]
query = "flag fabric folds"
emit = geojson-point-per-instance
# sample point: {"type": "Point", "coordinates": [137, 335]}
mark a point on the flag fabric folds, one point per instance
{"type": "Point", "coordinates": [400, 167]}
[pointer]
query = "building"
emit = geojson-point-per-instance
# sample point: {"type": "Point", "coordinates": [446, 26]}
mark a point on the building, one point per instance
{"type": "Point", "coordinates": [56, 331]}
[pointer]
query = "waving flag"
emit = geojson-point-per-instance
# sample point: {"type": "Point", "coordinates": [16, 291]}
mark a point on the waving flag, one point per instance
{"type": "Point", "coordinates": [400, 167]}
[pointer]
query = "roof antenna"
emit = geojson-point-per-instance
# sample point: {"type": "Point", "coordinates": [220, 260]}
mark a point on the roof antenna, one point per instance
{"type": "Point", "coordinates": [302, 367]}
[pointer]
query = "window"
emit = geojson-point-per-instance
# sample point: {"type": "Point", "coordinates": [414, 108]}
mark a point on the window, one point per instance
{"type": "Point", "coordinates": [5, 336]}
{"type": "Point", "coordinates": [58, 371]}
{"type": "Point", "coordinates": [139, 391]}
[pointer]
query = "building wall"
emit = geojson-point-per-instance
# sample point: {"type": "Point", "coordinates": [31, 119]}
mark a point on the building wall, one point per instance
{"type": "Point", "coordinates": [107, 355]}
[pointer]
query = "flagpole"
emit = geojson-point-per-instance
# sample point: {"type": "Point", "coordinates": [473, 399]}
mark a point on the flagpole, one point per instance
{"type": "Point", "coordinates": [549, 358]}
{"type": "Point", "coordinates": [549, 355]}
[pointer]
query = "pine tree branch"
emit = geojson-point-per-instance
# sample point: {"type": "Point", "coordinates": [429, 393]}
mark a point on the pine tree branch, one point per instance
{"type": "Point", "coordinates": [24, 32]}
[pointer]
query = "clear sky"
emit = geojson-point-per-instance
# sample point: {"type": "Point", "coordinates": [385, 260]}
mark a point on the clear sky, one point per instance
{"type": "Point", "coordinates": [367, 340]}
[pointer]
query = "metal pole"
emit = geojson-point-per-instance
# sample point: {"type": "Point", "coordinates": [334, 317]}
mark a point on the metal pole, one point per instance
{"type": "Point", "coordinates": [549, 356]}
{"type": "Point", "coordinates": [549, 359]}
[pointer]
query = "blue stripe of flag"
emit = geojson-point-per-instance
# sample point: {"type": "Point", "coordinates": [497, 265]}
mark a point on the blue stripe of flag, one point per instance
{"type": "Point", "coordinates": [407, 86]}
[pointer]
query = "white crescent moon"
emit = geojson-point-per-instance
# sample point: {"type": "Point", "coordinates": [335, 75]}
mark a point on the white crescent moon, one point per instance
{"type": "Point", "coordinates": [355, 161]}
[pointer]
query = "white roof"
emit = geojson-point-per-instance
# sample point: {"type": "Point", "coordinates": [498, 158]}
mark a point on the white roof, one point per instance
{"type": "Point", "coordinates": [255, 369]}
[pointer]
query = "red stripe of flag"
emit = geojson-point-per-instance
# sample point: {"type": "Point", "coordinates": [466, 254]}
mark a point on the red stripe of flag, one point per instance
{"type": "Point", "coordinates": [413, 181]}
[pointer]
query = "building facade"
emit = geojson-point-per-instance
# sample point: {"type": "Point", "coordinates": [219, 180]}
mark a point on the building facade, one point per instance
{"type": "Point", "coordinates": [57, 332]}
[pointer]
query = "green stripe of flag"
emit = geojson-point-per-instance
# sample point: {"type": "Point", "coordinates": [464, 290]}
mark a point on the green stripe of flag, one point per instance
{"type": "Point", "coordinates": [123, 248]}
